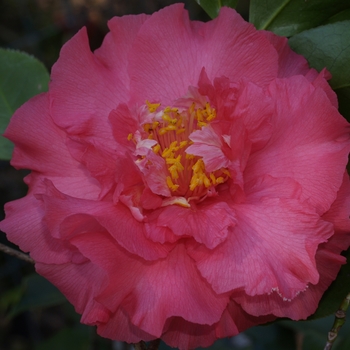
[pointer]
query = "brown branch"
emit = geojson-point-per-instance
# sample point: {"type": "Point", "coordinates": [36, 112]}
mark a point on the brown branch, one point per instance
{"type": "Point", "coordinates": [4, 248]}
{"type": "Point", "coordinates": [338, 322]}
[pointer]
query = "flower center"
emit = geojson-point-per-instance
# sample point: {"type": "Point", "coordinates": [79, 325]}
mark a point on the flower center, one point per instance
{"type": "Point", "coordinates": [170, 129]}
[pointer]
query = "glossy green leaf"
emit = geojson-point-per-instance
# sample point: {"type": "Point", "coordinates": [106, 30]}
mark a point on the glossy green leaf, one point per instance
{"type": "Point", "coordinates": [212, 7]}
{"type": "Point", "coordinates": [37, 292]}
{"type": "Point", "coordinates": [341, 16]}
{"type": "Point", "coordinates": [329, 46]}
{"type": "Point", "coordinates": [335, 294]}
{"type": "Point", "coordinates": [289, 17]}
{"type": "Point", "coordinates": [21, 77]}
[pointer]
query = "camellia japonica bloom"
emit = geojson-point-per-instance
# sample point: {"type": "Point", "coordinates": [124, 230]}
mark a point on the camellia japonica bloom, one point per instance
{"type": "Point", "coordinates": [187, 179]}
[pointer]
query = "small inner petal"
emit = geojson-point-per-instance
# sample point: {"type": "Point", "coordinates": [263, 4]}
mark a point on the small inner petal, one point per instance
{"type": "Point", "coordinates": [167, 131]}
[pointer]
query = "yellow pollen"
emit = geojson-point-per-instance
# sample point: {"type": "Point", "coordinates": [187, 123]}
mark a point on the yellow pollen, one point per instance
{"type": "Point", "coordinates": [156, 148]}
{"type": "Point", "coordinates": [170, 109]}
{"type": "Point", "coordinates": [226, 172]}
{"type": "Point", "coordinates": [168, 119]}
{"type": "Point", "coordinates": [174, 160]}
{"type": "Point", "coordinates": [199, 165]}
{"type": "Point", "coordinates": [162, 131]}
{"type": "Point", "coordinates": [170, 127]}
{"type": "Point", "coordinates": [130, 136]}
{"type": "Point", "coordinates": [171, 185]}
{"type": "Point", "coordinates": [220, 180]}
{"type": "Point", "coordinates": [152, 107]}
{"type": "Point", "coordinates": [206, 181]}
{"type": "Point", "coordinates": [183, 144]}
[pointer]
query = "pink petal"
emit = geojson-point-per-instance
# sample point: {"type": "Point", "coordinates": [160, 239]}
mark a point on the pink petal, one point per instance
{"type": "Point", "coordinates": [123, 123]}
{"type": "Point", "coordinates": [220, 46]}
{"type": "Point", "coordinates": [254, 109]}
{"type": "Point", "coordinates": [24, 226]}
{"type": "Point", "coordinates": [192, 299]}
{"type": "Point", "coordinates": [267, 224]}
{"type": "Point", "coordinates": [123, 31]}
{"type": "Point", "coordinates": [160, 234]}
{"type": "Point", "coordinates": [83, 91]}
{"type": "Point", "coordinates": [229, 41]}
{"type": "Point", "coordinates": [338, 214]}
{"type": "Point", "coordinates": [40, 144]}
{"type": "Point", "coordinates": [126, 180]}
{"type": "Point", "coordinates": [340, 241]}
{"type": "Point", "coordinates": [319, 79]}
{"type": "Point", "coordinates": [74, 281]}
{"type": "Point", "coordinates": [207, 144]}
{"type": "Point", "coordinates": [186, 335]}
{"type": "Point", "coordinates": [310, 142]}
{"type": "Point", "coordinates": [120, 328]}
{"type": "Point", "coordinates": [208, 222]}
{"type": "Point", "coordinates": [115, 219]}
{"type": "Point", "coordinates": [154, 172]}
{"type": "Point", "coordinates": [305, 303]}
{"type": "Point", "coordinates": [289, 62]}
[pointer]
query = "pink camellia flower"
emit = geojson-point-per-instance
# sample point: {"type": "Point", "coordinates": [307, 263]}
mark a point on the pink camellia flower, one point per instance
{"type": "Point", "coordinates": [188, 179]}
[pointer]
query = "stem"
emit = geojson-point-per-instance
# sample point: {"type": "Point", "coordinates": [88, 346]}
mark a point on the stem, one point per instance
{"type": "Point", "coordinates": [338, 322]}
{"type": "Point", "coordinates": [4, 248]}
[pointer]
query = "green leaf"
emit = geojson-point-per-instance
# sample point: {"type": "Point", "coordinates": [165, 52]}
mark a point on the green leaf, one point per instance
{"type": "Point", "coordinates": [335, 294]}
{"type": "Point", "coordinates": [329, 46]}
{"type": "Point", "coordinates": [289, 17]}
{"type": "Point", "coordinates": [10, 297]}
{"type": "Point", "coordinates": [341, 16]}
{"type": "Point", "coordinates": [212, 7]}
{"type": "Point", "coordinates": [21, 77]}
{"type": "Point", "coordinates": [37, 292]}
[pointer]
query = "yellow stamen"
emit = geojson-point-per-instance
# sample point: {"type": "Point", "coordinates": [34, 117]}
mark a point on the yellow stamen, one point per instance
{"type": "Point", "coordinates": [183, 144]}
{"type": "Point", "coordinates": [165, 127]}
{"type": "Point", "coordinates": [226, 172]}
{"type": "Point", "coordinates": [220, 180]}
{"type": "Point", "coordinates": [170, 184]}
{"type": "Point", "coordinates": [152, 107]}
{"type": "Point", "coordinates": [173, 160]}
{"type": "Point", "coordinates": [156, 148]}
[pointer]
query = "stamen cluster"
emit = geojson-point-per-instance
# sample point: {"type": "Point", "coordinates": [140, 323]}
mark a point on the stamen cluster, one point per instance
{"type": "Point", "coordinates": [171, 128]}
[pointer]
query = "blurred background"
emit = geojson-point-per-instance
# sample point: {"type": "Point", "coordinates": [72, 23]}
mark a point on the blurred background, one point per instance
{"type": "Point", "coordinates": [41, 27]}
{"type": "Point", "coordinates": [33, 314]}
